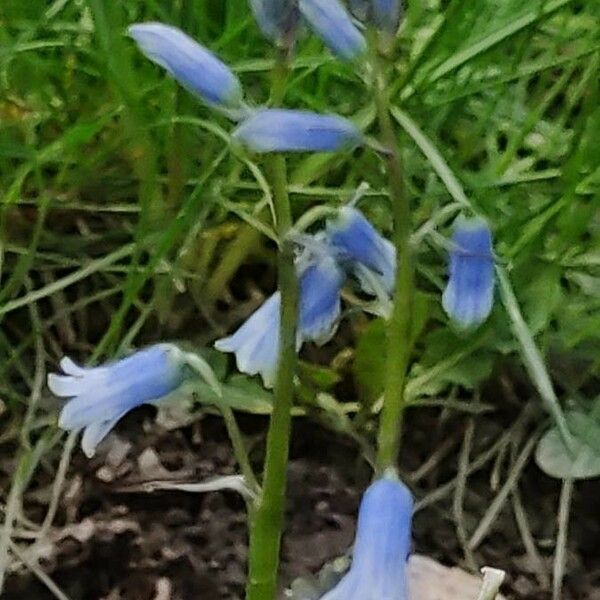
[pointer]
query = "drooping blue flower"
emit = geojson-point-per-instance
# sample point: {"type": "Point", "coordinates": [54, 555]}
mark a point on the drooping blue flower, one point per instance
{"type": "Point", "coordinates": [332, 23]}
{"type": "Point", "coordinates": [387, 14]}
{"type": "Point", "coordinates": [469, 295]}
{"type": "Point", "coordinates": [192, 65]}
{"type": "Point", "coordinates": [320, 281]}
{"type": "Point", "coordinates": [276, 18]}
{"type": "Point", "coordinates": [381, 546]}
{"type": "Point", "coordinates": [282, 130]}
{"type": "Point", "coordinates": [359, 245]}
{"type": "Point", "coordinates": [256, 343]}
{"type": "Point", "coordinates": [383, 14]}
{"type": "Point", "coordinates": [100, 396]}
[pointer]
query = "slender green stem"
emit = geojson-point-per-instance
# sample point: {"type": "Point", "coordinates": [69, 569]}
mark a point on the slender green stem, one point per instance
{"type": "Point", "coordinates": [239, 448]}
{"type": "Point", "coordinates": [400, 323]}
{"type": "Point", "coordinates": [266, 521]}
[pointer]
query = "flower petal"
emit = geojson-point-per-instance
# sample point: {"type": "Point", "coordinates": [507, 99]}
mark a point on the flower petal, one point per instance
{"type": "Point", "coordinates": [71, 368]}
{"type": "Point", "coordinates": [387, 14]}
{"type": "Point", "coordinates": [93, 434]}
{"type": "Point", "coordinates": [321, 281]}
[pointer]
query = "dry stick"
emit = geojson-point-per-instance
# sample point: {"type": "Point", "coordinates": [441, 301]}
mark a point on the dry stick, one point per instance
{"type": "Point", "coordinates": [477, 464]}
{"type": "Point", "coordinates": [560, 556]}
{"type": "Point", "coordinates": [434, 460]}
{"type": "Point", "coordinates": [57, 486]}
{"type": "Point", "coordinates": [459, 494]}
{"type": "Point", "coordinates": [13, 504]}
{"type": "Point", "coordinates": [39, 573]}
{"type": "Point", "coordinates": [496, 506]}
{"type": "Point", "coordinates": [528, 540]}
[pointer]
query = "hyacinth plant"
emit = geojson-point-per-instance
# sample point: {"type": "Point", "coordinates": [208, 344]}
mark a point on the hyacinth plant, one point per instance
{"type": "Point", "coordinates": [342, 249]}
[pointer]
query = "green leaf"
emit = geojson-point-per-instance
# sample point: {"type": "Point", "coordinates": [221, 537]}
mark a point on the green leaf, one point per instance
{"type": "Point", "coordinates": [369, 361]}
{"type": "Point", "coordinates": [543, 294]}
{"type": "Point", "coordinates": [370, 355]}
{"type": "Point", "coordinates": [239, 393]}
{"type": "Point", "coordinates": [323, 378]}
{"type": "Point", "coordinates": [463, 366]}
{"type": "Point", "coordinates": [555, 460]}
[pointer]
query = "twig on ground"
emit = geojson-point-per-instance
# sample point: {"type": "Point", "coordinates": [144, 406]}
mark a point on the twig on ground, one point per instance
{"type": "Point", "coordinates": [459, 495]}
{"type": "Point", "coordinates": [528, 540]}
{"type": "Point", "coordinates": [39, 573]}
{"type": "Point", "coordinates": [496, 506]}
{"type": "Point", "coordinates": [560, 555]}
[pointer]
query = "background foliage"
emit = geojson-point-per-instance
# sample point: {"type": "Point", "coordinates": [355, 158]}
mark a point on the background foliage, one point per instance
{"type": "Point", "coordinates": [126, 217]}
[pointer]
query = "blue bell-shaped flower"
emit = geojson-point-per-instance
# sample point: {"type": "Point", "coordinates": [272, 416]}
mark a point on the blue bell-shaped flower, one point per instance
{"type": "Point", "coordinates": [360, 246]}
{"type": "Point", "coordinates": [192, 65]}
{"type": "Point", "coordinates": [383, 14]}
{"type": "Point", "coordinates": [332, 23]}
{"type": "Point", "coordinates": [100, 396]}
{"type": "Point", "coordinates": [256, 343]}
{"type": "Point", "coordinates": [381, 546]}
{"type": "Point", "coordinates": [282, 130]}
{"type": "Point", "coordinates": [277, 19]}
{"type": "Point", "coordinates": [469, 295]}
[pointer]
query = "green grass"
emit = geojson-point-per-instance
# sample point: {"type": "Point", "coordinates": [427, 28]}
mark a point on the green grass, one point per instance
{"type": "Point", "coordinates": [126, 216]}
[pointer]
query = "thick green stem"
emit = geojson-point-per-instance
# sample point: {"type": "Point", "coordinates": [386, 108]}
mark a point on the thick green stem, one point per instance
{"type": "Point", "coordinates": [266, 521]}
{"type": "Point", "coordinates": [400, 323]}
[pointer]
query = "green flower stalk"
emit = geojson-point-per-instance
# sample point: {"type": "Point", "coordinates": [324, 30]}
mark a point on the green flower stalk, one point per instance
{"type": "Point", "coordinates": [400, 322]}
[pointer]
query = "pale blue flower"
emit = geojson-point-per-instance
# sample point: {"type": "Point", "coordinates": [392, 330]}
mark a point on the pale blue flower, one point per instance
{"type": "Point", "coordinates": [100, 396]}
{"type": "Point", "coordinates": [381, 546]}
{"type": "Point", "coordinates": [281, 130]}
{"type": "Point", "coordinates": [469, 295]}
{"type": "Point", "coordinates": [276, 18]}
{"type": "Point", "coordinates": [256, 343]}
{"type": "Point", "coordinates": [332, 23]}
{"type": "Point", "coordinates": [387, 14]}
{"type": "Point", "coordinates": [383, 14]}
{"type": "Point", "coordinates": [192, 65]}
{"type": "Point", "coordinates": [363, 249]}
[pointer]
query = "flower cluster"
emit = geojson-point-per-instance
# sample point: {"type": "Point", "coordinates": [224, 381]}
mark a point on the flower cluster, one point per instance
{"type": "Point", "coordinates": [349, 245]}
{"type": "Point", "coordinates": [279, 20]}
{"type": "Point", "coordinates": [347, 248]}
{"type": "Point", "coordinates": [260, 130]}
